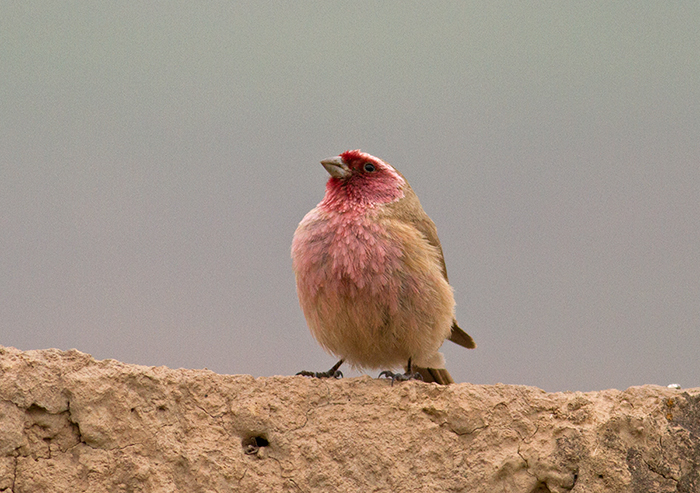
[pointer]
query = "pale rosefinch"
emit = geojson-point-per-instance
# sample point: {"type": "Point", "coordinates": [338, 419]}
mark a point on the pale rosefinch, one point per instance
{"type": "Point", "coordinates": [371, 276]}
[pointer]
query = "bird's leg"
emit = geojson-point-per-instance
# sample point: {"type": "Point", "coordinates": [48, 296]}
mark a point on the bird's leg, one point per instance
{"type": "Point", "coordinates": [332, 373]}
{"type": "Point", "coordinates": [402, 377]}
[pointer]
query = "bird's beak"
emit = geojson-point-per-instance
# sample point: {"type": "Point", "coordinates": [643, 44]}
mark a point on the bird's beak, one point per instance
{"type": "Point", "coordinates": [336, 167]}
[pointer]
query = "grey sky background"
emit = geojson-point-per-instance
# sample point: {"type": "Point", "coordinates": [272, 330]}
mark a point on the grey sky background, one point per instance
{"type": "Point", "coordinates": [155, 159]}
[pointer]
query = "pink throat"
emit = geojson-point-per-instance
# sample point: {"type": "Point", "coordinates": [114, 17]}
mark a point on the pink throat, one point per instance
{"type": "Point", "coordinates": [357, 195]}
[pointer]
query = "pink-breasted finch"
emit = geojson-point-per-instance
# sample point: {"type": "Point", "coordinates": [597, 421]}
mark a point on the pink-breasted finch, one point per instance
{"type": "Point", "coordinates": [371, 276]}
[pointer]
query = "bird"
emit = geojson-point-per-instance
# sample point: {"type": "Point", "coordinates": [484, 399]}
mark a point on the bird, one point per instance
{"type": "Point", "coordinates": [371, 277]}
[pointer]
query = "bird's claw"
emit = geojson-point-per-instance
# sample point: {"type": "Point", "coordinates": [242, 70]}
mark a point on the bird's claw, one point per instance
{"type": "Point", "coordinates": [321, 374]}
{"type": "Point", "coordinates": [400, 377]}
{"type": "Point", "coordinates": [332, 373]}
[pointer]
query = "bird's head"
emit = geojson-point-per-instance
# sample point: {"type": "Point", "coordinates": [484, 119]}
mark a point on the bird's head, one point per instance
{"type": "Point", "coordinates": [362, 179]}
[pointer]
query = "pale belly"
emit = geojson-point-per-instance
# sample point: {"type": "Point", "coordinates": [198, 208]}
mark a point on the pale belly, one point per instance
{"type": "Point", "coordinates": [374, 295]}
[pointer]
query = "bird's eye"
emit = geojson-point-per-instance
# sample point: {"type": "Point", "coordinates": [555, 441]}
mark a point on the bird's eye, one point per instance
{"type": "Point", "coordinates": [369, 167]}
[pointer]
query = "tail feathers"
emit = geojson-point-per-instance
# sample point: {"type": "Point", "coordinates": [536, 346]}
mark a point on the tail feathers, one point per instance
{"type": "Point", "coordinates": [437, 375]}
{"type": "Point", "coordinates": [458, 336]}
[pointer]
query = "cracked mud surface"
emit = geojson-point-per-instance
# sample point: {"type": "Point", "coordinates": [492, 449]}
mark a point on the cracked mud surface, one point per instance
{"type": "Point", "coordinates": [70, 423]}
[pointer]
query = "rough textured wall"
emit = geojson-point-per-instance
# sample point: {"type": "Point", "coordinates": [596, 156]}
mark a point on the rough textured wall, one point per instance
{"type": "Point", "coordinates": [69, 423]}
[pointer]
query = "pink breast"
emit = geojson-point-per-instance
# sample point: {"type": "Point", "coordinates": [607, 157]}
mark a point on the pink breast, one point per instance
{"type": "Point", "coordinates": [345, 257]}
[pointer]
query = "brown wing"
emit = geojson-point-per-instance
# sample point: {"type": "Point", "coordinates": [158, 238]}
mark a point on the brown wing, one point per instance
{"type": "Point", "coordinates": [409, 209]}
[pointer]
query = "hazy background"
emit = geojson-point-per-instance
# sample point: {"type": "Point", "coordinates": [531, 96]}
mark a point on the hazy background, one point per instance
{"type": "Point", "coordinates": [156, 157]}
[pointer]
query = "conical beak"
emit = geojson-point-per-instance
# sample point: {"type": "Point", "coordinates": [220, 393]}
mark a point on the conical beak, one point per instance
{"type": "Point", "coordinates": [336, 167]}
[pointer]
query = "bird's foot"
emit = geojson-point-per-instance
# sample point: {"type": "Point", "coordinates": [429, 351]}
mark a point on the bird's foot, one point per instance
{"type": "Point", "coordinates": [321, 374]}
{"type": "Point", "coordinates": [400, 377]}
{"type": "Point", "coordinates": [332, 373]}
